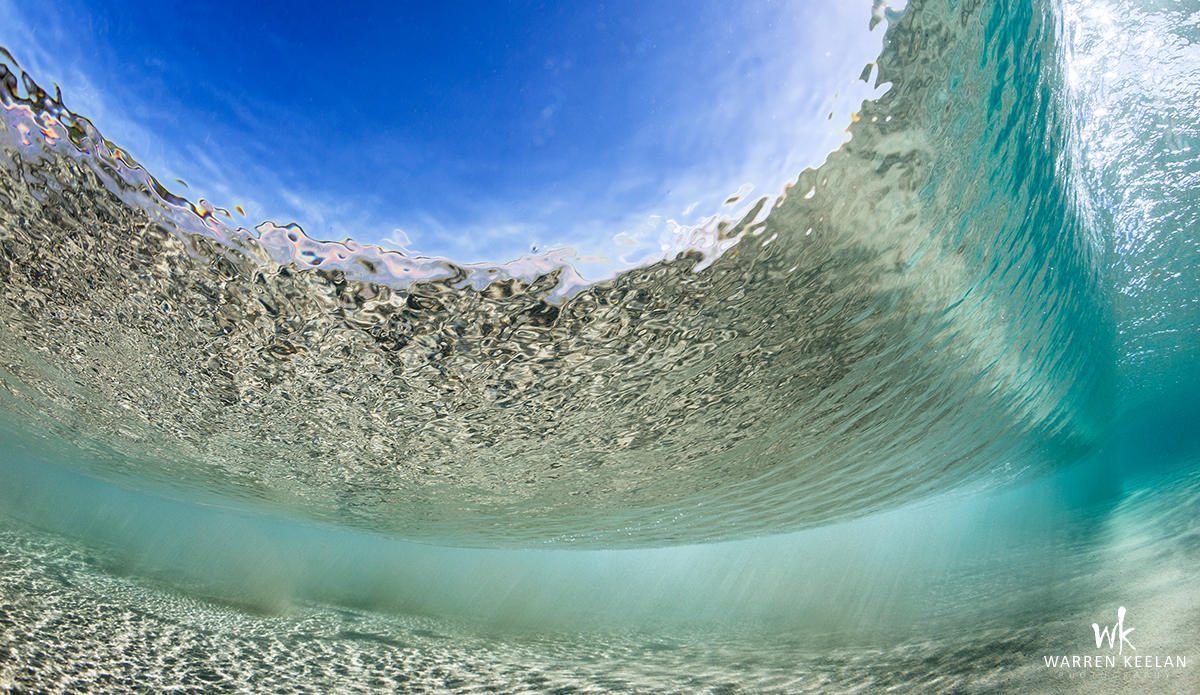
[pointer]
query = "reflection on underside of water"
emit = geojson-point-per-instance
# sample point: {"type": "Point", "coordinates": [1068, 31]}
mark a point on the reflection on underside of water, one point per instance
{"type": "Point", "coordinates": [925, 311]}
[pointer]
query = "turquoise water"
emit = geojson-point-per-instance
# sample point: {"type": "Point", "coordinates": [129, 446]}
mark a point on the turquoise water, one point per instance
{"type": "Point", "coordinates": [915, 425]}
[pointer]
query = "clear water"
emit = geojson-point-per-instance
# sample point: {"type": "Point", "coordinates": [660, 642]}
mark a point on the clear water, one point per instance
{"type": "Point", "coordinates": [913, 425]}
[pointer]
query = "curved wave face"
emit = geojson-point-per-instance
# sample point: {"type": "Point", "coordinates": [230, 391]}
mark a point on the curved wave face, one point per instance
{"type": "Point", "coordinates": [925, 310]}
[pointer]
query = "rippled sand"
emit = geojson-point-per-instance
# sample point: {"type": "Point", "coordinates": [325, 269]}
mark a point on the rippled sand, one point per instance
{"type": "Point", "coordinates": [70, 625]}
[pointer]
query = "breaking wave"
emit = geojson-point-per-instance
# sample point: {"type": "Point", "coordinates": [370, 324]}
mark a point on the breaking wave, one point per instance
{"type": "Point", "coordinates": [926, 310]}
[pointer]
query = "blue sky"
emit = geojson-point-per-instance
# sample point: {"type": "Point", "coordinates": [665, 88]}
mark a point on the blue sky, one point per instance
{"type": "Point", "coordinates": [470, 130]}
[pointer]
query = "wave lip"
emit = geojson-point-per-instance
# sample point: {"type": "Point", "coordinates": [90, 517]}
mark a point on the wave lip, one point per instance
{"type": "Point", "coordinates": [923, 311]}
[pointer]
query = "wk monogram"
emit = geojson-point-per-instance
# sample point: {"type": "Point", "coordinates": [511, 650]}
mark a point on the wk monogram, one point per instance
{"type": "Point", "coordinates": [1115, 633]}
